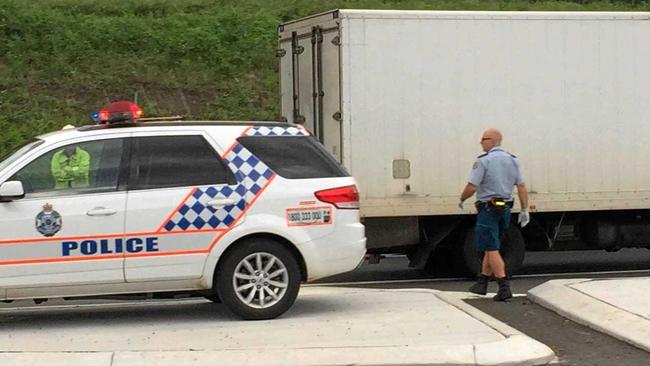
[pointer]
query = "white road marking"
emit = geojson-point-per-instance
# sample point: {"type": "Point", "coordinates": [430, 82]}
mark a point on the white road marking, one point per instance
{"type": "Point", "coordinates": [459, 279]}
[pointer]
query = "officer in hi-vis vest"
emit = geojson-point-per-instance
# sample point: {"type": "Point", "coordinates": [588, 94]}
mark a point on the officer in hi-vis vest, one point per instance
{"type": "Point", "coordinates": [70, 168]}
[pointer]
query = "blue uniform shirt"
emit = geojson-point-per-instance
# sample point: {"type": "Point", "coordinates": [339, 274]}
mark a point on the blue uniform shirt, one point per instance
{"type": "Point", "coordinates": [495, 173]}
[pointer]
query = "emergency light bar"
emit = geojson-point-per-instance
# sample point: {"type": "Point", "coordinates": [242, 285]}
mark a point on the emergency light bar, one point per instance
{"type": "Point", "coordinates": [120, 111]}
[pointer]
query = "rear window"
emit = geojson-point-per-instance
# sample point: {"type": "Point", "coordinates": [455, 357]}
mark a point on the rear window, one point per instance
{"type": "Point", "coordinates": [294, 157]}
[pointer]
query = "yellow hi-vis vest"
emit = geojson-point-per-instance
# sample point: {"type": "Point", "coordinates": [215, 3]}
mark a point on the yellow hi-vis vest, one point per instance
{"type": "Point", "coordinates": [71, 171]}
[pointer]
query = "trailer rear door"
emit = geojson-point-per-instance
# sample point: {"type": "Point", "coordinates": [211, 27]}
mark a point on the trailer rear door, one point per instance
{"type": "Point", "coordinates": [309, 54]}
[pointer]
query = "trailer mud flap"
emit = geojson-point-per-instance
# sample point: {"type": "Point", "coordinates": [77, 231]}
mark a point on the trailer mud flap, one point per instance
{"type": "Point", "coordinates": [443, 229]}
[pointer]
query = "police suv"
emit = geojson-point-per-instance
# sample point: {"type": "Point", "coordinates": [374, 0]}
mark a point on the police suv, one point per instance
{"type": "Point", "coordinates": [237, 212]}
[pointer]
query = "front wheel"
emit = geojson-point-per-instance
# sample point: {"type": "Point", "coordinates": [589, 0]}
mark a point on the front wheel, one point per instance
{"type": "Point", "coordinates": [259, 279]}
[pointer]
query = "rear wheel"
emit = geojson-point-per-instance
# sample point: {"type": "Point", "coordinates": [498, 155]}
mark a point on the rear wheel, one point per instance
{"type": "Point", "coordinates": [513, 251]}
{"type": "Point", "coordinates": [259, 279]}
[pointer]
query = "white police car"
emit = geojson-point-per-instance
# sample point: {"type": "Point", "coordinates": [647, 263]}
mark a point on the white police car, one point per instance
{"type": "Point", "coordinates": [240, 213]}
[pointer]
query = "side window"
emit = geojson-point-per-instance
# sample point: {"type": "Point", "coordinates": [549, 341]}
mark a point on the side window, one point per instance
{"type": "Point", "coordinates": [294, 157]}
{"type": "Point", "coordinates": [87, 167]}
{"type": "Point", "coordinates": [176, 161]}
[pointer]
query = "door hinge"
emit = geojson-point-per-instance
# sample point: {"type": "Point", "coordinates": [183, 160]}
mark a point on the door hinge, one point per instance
{"type": "Point", "coordinates": [337, 116]}
{"type": "Point", "coordinates": [280, 52]}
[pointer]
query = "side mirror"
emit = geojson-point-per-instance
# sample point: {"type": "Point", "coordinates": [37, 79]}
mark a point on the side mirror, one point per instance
{"type": "Point", "coordinates": [11, 191]}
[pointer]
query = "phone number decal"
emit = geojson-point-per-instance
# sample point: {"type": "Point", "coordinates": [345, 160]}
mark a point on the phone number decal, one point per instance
{"type": "Point", "coordinates": [309, 216]}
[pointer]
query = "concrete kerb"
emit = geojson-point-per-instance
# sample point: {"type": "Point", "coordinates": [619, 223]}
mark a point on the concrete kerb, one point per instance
{"type": "Point", "coordinates": [514, 349]}
{"type": "Point", "coordinates": [56, 358]}
{"type": "Point", "coordinates": [560, 297]}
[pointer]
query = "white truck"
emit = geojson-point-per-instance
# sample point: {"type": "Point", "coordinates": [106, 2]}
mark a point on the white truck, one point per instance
{"type": "Point", "coordinates": [401, 98]}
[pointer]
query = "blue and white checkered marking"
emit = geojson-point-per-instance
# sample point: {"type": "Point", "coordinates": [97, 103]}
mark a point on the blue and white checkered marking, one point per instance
{"type": "Point", "coordinates": [252, 176]}
{"type": "Point", "coordinates": [276, 131]}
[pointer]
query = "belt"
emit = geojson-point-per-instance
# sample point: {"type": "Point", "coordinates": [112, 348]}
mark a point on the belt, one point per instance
{"type": "Point", "coordinates": [494, 202]}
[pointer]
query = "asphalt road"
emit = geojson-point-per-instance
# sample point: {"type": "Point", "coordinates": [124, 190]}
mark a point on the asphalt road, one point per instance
{"type": "Point", "coordinates": [563, 264]}
{"type": "Point", "coordinates": [573, 344]}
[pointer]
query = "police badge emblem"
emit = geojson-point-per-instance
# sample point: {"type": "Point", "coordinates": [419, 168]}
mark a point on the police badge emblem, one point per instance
{"type": "Point", "coordinates": [48, 221]}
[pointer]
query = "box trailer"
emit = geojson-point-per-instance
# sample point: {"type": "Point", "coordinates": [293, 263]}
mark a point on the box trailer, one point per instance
{"type": "Point", "coordinates": [402, 97]}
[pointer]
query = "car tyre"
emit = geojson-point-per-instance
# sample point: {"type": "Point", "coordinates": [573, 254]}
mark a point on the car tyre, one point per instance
{"type": "Point", "coordinates": [258, 279]}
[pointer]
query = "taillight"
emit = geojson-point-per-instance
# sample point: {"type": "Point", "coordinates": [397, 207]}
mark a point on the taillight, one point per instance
{"type": "Point", "coordinates": [342, 197]}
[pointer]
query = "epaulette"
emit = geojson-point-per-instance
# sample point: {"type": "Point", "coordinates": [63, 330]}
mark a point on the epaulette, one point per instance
{"type": "Point", "coordinates": [482, 155]}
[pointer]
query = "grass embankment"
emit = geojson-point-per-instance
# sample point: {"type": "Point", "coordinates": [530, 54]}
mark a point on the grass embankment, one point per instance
{"type": "Point", "coordinates": [210, 59]}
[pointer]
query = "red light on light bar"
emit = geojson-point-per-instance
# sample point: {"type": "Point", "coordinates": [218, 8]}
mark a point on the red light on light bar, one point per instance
{"type": "Point", "coordinates": [103, 115]}
{"type": "Point", "coordinates": [120, 111]}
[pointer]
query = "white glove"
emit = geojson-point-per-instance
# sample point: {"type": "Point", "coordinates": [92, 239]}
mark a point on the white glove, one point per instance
{"type": "Point", "coordinates": [460, 205]}
{"type": "Point", "coordinates": [524, 217]}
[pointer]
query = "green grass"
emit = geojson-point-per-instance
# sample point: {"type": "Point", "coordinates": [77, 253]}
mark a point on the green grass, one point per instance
{"type": "Point", "coordinates": [60, 60]}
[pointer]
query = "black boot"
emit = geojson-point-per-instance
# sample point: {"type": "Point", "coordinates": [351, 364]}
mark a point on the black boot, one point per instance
{"type": "Point", "coordinates": [481, 285]}
{"type": "Point", "coordinates": [504, 292]}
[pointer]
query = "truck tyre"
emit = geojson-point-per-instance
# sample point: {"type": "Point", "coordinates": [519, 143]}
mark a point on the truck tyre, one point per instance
{"type": "Point", "coordinates": [513, 251]}
{"type": "Point", "coordinates": [258, 279]}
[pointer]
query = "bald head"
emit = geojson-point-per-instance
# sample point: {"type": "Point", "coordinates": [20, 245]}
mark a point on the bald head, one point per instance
{"type": "Point", "coordinates": [491, 138]}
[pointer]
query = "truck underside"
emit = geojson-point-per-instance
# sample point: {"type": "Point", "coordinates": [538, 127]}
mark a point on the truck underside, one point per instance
{"type": "Point", "coordinates": [431, 240]}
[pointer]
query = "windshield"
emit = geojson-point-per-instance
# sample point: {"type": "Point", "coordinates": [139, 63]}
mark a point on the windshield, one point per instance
{"type": "Point", "coordinates": [10, 158]}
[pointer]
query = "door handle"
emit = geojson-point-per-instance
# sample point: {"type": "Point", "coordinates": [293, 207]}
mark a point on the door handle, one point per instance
{"type": "Point", "coordinates": [220, 202]}
{"type": "Point", "coordinates": [101, 211]}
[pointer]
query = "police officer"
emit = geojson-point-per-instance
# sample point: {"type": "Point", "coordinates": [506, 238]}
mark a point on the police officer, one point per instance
{"type": "Point", "coordinates": [492, 178]}
{"type": "Point", "coordinates": [70, 168]}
